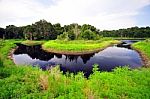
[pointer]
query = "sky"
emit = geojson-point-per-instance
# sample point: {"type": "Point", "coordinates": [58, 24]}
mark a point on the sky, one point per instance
{"type": "Point", "coordinates": [103, 14]}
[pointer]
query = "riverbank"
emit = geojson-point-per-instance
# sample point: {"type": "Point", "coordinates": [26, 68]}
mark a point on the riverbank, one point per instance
{"type": "Point", "coordinates": [143, 48]}
{"type": "Point", "coordinates": [77, 47]}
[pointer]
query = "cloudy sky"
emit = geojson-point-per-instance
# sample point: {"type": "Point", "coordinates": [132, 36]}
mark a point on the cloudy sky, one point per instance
{"type": "Point", "coordinates": [103, 14]}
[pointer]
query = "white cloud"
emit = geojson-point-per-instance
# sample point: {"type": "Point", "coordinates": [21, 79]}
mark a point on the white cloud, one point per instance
{"type": "Point", "coordinates": [104, 14]}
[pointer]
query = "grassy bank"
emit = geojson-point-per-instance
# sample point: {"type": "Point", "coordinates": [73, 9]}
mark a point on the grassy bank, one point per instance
{"type": "Point", "coordinates": [27, 82]}
{"type": "Point", "coordinates": [76, 46]}
{"type": "Point", "coordinates": [31, 43]}
{"type": "Point", "coordinates": [5, 50]}
{"type": "Point", "coordinates": [144, 48]}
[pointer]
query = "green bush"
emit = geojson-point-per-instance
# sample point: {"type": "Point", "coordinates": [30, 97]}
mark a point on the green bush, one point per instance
{"type": "Point", "coordinates": [71, 36]}
{"type": "Point", "coordinates": [63, 36]}
{"type": "Point", "coordinates": [89, 35]}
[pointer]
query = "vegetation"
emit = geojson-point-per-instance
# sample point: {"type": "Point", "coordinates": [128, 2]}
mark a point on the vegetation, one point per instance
{"type": "Point", "coordinates": [5, 46]}
{"type": "Point", "coordinates": [133, 32]}
{"type": "Point", "coordinates": [31, 42]}
{"type": "Point", "coordinates": [43, 30]}
{"type": "Point", "coordinates": [28, 82]}
{"type": "Point", "coordinates": [77, 46]}
{"type": "Point", "coordinates": [143, 46]}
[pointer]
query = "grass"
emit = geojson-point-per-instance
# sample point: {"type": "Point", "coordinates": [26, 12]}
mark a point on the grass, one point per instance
{"type": "Point", "coordinates": [77, 46]}
{"type": "Point", "coordinates": [28, 82]}
{"type": "Point", "coordinates": [31, 43]}
{"type": "Point", "coordinates": [143, 46]}
{"type": "Point", "coordinates": [5, 47]}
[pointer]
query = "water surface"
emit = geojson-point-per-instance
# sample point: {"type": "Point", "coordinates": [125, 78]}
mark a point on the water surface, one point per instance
{"type": "Point", "coordinates": [108, 59]}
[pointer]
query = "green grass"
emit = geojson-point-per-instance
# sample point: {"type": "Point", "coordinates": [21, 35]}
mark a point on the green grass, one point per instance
{"type": "Point", "coordinates": [5, 47]}
{"type": "Point", "coordinates": [143, 46]}
{"type": "Point", "coordinates": [28, 82]}
{"type": "Point", "coordinates": [77, 46]}
{"type": "Point", "coordinates": [31, 43]}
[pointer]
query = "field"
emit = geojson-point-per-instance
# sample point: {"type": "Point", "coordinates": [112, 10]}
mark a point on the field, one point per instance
{"type": "Point", "coordinates": [29, 82]}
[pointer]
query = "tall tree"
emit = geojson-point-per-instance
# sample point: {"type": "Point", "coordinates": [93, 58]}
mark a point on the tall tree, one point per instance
{"type": "Point", "coordinates": [2, 32]}
{"type": "Point", "coordinates": [59, 30]}
{"type": "Point", "coordinates": [28, 32]}
{"type": "Point", "coordinates": [10, 32]}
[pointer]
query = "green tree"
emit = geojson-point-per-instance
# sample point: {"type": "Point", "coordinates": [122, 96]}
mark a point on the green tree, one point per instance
{"type": "Point", "coordinates": [2, 32]}
{"type": "Point", "coordinates": [28, 32]}
{"type": "Point", "coordinates": [59, 30]}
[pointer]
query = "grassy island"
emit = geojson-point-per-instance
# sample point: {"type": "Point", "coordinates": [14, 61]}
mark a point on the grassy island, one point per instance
{"type": "Point", "coordinates": [77, 46]}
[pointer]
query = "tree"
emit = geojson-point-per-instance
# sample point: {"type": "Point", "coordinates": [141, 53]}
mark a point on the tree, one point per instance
{"type": "Point", "coordinates": [10, 32]}
{"type": "Point", "coordinates": [76, 31]}
{"type": "Point", "coordinates": [2, 32]}
{"type": "Point", "coordinates": [59, 30]}
{"type": "Point", "coordinates": [28, 32]}
{"type": "Point", "coordinates": [44, 30]}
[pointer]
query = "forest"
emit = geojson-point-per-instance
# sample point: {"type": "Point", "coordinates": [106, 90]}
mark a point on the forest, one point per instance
{"type": "Point", "coordinates": [43, 30]}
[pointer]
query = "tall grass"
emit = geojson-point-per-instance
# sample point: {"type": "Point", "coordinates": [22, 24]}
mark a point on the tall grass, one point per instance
{"type": "Point", "coordinates": [27, 82]}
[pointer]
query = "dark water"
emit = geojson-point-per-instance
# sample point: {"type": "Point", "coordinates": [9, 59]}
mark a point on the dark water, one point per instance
{"type": "Point", "coordinates": [108, 59]}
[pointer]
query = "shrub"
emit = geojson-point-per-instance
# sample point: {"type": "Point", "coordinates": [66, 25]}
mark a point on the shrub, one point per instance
{"type": "Point", "coordinates": [71, 35]}
{"type": "Point", "coordinates": [63, 36]}
{"type": "Point", "coordinates": [89, 35]}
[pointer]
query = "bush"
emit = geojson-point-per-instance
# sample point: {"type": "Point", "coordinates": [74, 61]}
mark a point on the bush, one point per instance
{"type": "Point", "coordinates": [71, 36]}
{"type": "Point", "coordinates": [89, 35]}
{"type": "Point", "coordinates": [63, 36]}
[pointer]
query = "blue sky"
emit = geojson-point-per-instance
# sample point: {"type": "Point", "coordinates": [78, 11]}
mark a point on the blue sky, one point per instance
{"type": "Point", "coordinates": [104, 14]}
{"type": "Point", "coordinates": [143, 19]}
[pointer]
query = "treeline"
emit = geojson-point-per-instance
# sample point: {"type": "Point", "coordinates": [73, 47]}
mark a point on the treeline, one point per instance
{"type": "Point", "coordinates": [133, 32]}
{"type": "Point", "coordinates": [43, 30]}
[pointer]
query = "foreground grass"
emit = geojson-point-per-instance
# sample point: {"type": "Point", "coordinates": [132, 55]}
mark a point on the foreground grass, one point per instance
{"type": "Point", "coordinates": [27, 82]}
{"type": "Point", "coordinates": [77, 46]}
